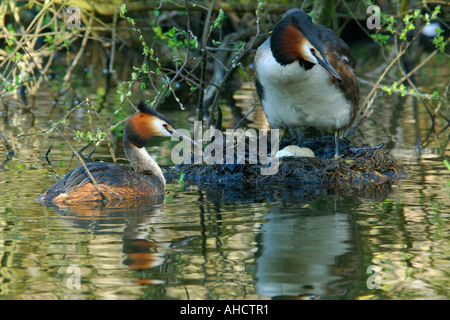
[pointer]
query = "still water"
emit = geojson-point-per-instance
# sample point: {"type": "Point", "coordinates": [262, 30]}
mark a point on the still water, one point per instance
{"type": "Point", "coordinates": [202, 242]}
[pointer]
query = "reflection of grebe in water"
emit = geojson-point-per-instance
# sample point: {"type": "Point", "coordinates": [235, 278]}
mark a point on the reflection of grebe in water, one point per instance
{"type": "Point", "coordinates": [305, 253]}
{"type": "Point", "coordinates": [115, 181]}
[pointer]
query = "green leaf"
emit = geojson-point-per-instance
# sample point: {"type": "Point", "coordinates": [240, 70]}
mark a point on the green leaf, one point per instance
{"type": "Point", "coordinates": [435, 95]}
{"type": "Point", "coordinates": [123, 9]}
{"type": "Point", "coordinates": [447, 164]}
{"type": "Point", "coordinates": [89, 136]}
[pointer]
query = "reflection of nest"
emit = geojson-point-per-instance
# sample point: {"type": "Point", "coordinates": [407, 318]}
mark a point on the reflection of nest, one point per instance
{"type": "Point", "coordinates": [358, 167]}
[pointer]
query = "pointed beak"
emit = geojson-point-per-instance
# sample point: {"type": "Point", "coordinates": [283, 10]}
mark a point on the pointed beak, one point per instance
{"type": "Point", "coordinates": [324, 63]}
{"type": "Point", "coordinates": [178, 135]}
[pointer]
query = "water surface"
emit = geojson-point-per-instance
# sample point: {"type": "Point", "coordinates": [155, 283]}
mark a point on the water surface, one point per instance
{"type": "Point", "coordinates": [201, 242]}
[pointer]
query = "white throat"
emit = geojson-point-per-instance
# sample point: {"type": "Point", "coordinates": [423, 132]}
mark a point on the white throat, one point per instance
{"type": "Point", "coordinates": [295, 97]}
{"type": "Point", "coordinates": [142, 162]}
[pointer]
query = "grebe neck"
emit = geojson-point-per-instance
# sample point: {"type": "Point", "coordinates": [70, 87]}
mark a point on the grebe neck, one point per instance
{"type": "Point", "coordinates": [142, 162]}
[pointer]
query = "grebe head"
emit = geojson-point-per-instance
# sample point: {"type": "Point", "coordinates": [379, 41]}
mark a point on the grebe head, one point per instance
{"type": "Point", "coordinates": [294, 39]}
{"type": "Point", "coordinates": [148, 123]}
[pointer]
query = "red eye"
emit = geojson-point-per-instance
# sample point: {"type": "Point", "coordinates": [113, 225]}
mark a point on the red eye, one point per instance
{"type": "Point", "coordinates": [164, 125]}
{"type": "Point", "coordinates": [312, 50]}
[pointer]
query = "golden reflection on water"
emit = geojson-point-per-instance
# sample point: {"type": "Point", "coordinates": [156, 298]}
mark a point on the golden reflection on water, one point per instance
{"type": "Point", "coordinates": [204, 243]}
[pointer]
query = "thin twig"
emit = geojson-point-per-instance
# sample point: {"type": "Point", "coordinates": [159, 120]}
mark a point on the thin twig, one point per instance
{"type": "Point", "coordinates": [110, 142]}
{"type": "Point", "coordinates": [96, 186]}
{"type": "Point", "coordinates": [420, 65]}
{"type": "Point", "coordinates": [113, 41]}
{"type": "Point", "coordinates": [205, 36]}
{"type": "Point", "coordinates": [6, 144]}
{"type": "Point", "coordinates": [47, 161]}
{"type": "Point", "coordinates": [239, 55]}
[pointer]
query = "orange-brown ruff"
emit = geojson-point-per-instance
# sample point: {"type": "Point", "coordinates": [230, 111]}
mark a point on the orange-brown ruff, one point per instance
{"type": "Point", "coordinates": [305, 77]}
{"type": "Point", "coordinates": [115, 181]}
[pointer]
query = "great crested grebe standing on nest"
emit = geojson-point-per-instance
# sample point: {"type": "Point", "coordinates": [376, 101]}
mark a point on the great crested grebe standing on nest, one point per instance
{"type": "Point", "coordinates": [305, 77]}
{"type": "Point", "coordinates": [115, 181]}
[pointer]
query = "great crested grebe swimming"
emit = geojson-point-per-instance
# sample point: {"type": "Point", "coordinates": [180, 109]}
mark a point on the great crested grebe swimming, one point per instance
{"type": "Point", "coordinates": [305, 77]}
{"type": "Point", "coordinates": [115, 181]}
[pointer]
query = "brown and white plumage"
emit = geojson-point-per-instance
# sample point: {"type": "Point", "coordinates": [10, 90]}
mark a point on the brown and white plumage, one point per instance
{"type": "Point", "coordinates": [305, 77]}
{"type": "Point", "coordinates": [115, 181]}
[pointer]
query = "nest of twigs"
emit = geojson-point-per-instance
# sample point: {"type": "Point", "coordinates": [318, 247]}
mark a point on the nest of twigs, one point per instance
{"type": "Point", "coordinates": [357, 167]}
